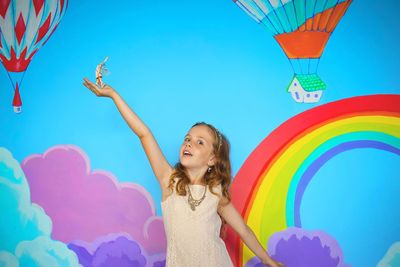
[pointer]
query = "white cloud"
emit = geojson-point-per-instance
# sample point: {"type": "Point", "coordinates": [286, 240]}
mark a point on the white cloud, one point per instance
{"type": "Point", "coordinates": [25, 228]}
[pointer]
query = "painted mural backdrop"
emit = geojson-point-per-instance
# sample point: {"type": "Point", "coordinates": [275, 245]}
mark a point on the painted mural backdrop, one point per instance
{"type": "Point", "coordinates": [56, 201]}
{"type": "Point", "coordinates": [317, 183]}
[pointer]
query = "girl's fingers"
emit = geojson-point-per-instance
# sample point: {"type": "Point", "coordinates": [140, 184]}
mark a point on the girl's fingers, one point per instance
{"type": "Point", "coordinates": [87, 80]}
{"type": "Point", "coordinates": [91, 88]}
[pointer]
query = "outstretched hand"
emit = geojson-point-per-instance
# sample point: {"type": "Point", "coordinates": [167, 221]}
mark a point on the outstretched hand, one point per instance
{"type": "Point", "coordinates": [106, 90]}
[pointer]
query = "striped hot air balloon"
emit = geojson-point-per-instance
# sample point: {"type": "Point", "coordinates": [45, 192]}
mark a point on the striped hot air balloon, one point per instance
{"type": "Point", "coordinates": [25, 26]}
{"type": "Point", "coordinates": [302, 28]}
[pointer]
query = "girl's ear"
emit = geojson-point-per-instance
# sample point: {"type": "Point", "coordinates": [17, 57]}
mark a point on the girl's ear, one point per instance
{"type": "Point", "coordinates": [211, 161]}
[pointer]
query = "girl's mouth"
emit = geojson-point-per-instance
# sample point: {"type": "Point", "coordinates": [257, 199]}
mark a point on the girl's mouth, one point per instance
{"type": "Point", "coordinates": [187, 153]}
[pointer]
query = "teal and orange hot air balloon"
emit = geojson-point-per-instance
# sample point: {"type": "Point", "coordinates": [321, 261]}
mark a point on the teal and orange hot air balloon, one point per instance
{"type": "Point", "coordinates": [25, 26]}
{"type": "Point", "coordinates": [302, 28]}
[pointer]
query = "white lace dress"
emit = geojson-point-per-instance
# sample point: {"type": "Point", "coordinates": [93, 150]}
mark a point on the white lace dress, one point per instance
{"type": "Point", "coordinates": [193, 236]}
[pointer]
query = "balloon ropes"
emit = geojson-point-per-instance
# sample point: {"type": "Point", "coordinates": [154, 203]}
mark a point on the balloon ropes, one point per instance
{"type": "Point", "coordinates": [302, 28]}
{"type": "Point", "coordinates": [25, 26]}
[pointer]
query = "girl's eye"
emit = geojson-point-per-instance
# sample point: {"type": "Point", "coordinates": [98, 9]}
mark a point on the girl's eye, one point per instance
{"type": "Point", "coordinates": [187, 139]}
{"type": "Point", "coordinates": [200, 142]}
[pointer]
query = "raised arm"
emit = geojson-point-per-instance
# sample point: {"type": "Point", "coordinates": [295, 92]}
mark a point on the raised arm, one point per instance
{"type": "Point", "coordinates": [158, 162]}
{"type": "Point", "coordinates": [235, 220]}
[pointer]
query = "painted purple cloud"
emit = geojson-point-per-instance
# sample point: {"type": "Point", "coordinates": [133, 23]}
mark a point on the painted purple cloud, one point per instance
{"type": "Point", "coordinates": [120, 252]}
{"type": "Point", "coordinates": [115, 250]}
{"type": "Point", "coordinates": [296, 247]}
{"type": "Point", "coordinates": [85, 204]}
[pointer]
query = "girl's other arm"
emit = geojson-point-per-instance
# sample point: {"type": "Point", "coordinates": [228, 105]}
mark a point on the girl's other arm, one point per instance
{"type": "Point", "coordinates": [235, 220]}
{"type": "Point", "coordinates": [158, 162]}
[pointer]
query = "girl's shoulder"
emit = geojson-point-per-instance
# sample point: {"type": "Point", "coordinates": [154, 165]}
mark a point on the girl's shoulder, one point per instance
{"type": "Point", "coordinates": [216, 190]}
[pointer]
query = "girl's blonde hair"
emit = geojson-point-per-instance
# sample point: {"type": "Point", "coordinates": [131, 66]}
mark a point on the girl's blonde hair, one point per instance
{"type": "Point", "coordinates": [220, 173]}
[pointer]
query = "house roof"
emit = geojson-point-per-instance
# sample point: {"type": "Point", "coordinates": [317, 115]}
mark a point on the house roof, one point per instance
{"type": "Point", "coordinates": [309, 82]}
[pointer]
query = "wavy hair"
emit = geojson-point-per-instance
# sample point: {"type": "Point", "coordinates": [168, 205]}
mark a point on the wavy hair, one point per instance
{"type": "Point", "coordinates": [220, 172]}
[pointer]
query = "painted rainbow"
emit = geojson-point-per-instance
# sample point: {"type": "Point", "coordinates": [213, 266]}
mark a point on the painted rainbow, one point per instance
{"type": "Point", "coordinates": [269, 187]}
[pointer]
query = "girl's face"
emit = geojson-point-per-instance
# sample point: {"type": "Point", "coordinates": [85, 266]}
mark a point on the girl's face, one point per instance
{"type": "Point", "coordinates": [197, 148]}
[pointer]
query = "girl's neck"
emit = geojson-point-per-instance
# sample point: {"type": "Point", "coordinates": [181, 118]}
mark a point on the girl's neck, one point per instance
{"type": "Point", "coordinates": [196, 176]}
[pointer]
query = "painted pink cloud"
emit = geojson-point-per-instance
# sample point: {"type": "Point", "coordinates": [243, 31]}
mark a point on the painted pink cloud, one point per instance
{"type": "Point", "coordinates": [85, 204]}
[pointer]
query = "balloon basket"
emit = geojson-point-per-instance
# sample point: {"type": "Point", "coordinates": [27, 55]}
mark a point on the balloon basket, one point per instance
{"type": "Point", "coordinates": [306, 88]}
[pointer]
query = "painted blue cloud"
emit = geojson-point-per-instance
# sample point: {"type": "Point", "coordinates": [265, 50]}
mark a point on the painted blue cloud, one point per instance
{"type": "Point", "coordinates": [8, 260]}
{"type": "Point", "coordinates": [19, 218]}
{"type": "Point", "coordinates": [25, 228]}
{"type": "Point", "coordinates": [392, 257]}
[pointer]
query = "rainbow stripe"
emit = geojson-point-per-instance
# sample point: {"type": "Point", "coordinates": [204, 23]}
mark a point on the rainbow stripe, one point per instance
{"type": "Point", "coordinates": [268, 189]}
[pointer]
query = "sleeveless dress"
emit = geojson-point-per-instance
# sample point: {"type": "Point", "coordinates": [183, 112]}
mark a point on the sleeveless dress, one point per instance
{"type": "Point", "coordinates": [193, 236]}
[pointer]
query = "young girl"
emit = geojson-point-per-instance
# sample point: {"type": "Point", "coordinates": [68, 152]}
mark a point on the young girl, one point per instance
{"type": "Point", "coordinates": [194, 192]}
